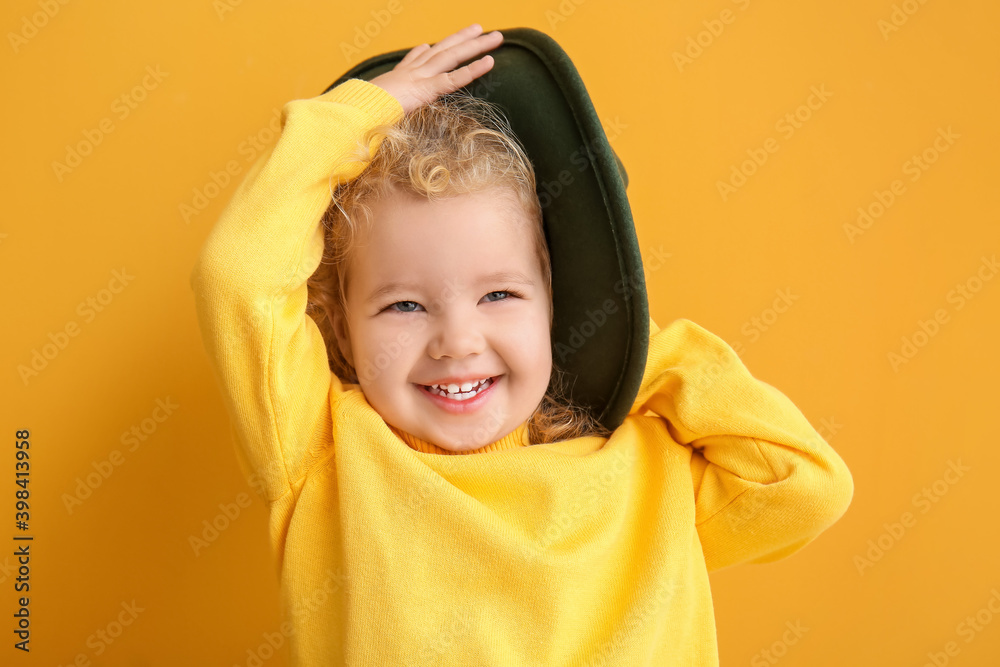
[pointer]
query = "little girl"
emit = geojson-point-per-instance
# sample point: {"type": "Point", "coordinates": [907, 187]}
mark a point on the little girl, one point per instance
{"type": "Point", "coordinates": [379, 315]}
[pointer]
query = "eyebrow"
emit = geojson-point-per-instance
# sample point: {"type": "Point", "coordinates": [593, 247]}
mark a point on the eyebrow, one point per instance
{"type": "Point", "coordinates": [495, 277]}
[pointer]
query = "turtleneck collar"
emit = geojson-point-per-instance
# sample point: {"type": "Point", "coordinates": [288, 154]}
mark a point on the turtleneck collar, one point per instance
{"type": "Point", "coordinates": [516, 438]}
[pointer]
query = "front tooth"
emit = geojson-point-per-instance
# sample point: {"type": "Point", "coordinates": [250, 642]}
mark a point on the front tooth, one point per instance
{"type": "Point", "coordinates": [453, 388]}
{"type": "Point", "coordinates": [467, 386]}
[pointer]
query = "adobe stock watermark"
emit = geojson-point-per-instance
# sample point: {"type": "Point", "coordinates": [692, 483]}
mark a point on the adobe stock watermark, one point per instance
{"type": "Point", "coordinates": [752, 506]}
{"type": "Point", "coordinates": [549, 191]}
{"type": "Point", "coordinates": [7, 569]}
{"type": "Point", "coordinates": [211, 530]}
{"type": "Point", "coordinates": [443, 641]}
{"type": "Point", "coordinates": [898, 17]}
{"type": "Point", "coordinates": [968, 629]}
{"type": "Point", "coordinates": [779, 649]}
{"type": "Point", "coordinates": [218, 180]}
{"type": "Point", "coordinates": [757, 325]}
{"type": "Point", "coordinates": [33, 23]}
{"type": "Point", "coordinates": [924, 500]}
{"type": "Point", "coordinates": [914, 167]}
{"type": "Point", "coordinates": [587, 495]}
{"type": "Point", "coordinates": [122, 107]}
{"type": "Point", "coordinates": [365, 33]}
{"type": "Point", "coordinates": [134, 437]}
{"type": "Point", "coordinates": [786, 126]}
{"type": "Point", "coordinates": [101, 639]}
{"type": "Point", "coordinates": [726, 359]}
{"type": "Point", "coordinates": [695, 46]}
{"type": "Point", "coordinates": [417, 496]}
{"type": "Point", "coordinates": [390, 351]}
{"type": "Point", "coordinates": [638, 616]}
{"type": "Point", "coordinates": [304, 607]}
{"type": "Point", "coordinates": [59, 340]}
{"type": "Point", "coordinates": [225, 7]}
{"type": "Point", "coordinates": [562, 12]}
{"type": "Point", "coordinates": [482, 86]}
{"type": "Point", "coordinates": [581, 332]}
{"type": "Point", "coordinates": [252, 146]}
{"type": "Point", "coordinates": [489, 430]}
{"type": "Point", "coordinates": [959, 296]}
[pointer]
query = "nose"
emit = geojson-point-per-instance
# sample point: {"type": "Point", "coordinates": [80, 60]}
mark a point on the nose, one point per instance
{"type": "Point", "coordinates": [456, 336]}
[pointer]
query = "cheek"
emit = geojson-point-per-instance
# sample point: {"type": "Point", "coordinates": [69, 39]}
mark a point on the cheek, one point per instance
{"type": "Point", "coordinates": [531, 341]}
{"type": "Point", "coordinates": [388, 351]}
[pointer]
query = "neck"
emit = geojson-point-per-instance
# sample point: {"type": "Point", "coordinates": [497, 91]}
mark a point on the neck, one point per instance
{"type": "Point", "coordinates": [516, 438]}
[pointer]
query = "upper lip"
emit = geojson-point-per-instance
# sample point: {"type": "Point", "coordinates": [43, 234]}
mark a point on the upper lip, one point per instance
{"type": "Point", "coordinates": [459, 380]}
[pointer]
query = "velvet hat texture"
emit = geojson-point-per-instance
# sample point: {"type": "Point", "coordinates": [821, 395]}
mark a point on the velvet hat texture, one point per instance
{"type": "Point", "coordinates": [600, 330]}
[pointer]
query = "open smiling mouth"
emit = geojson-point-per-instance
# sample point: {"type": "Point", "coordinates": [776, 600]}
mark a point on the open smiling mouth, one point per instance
{"type": "Point", "coordinates": [453, 399]}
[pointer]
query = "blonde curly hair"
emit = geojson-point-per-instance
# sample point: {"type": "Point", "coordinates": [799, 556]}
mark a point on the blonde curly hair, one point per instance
{"type": "Point", "coordinates": [457, 144]}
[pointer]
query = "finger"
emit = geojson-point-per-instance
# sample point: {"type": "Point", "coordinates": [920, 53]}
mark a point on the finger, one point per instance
{"type": "Point", "coordinates": [466, 48]}
{"type": "Point", "coordinates": [463, 51]}
{"type": "Point", "coordinates": [446, 61]}
{"type": "Point", "coordinates": [462, 35]}
{"type": "Point", "coordinates": [465, 75]}
{"type": "Point", "coordinates": [414, 52]}
{"type": "Point", "coordinates": [459, 37]}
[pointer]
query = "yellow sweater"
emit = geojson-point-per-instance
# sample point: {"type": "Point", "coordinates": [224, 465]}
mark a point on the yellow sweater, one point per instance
{"type": "Point", "coordinates": [594, 551]}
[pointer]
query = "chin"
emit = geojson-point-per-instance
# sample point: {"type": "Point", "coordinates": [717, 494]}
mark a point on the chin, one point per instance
{"type": "Point", "coordinates": [461, 445]}
{"type": "Point", "coordinates": [472, 441]}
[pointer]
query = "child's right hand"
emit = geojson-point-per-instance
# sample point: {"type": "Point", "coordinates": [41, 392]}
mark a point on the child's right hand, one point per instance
{"type": "Point", "coordinates": [425, 73]}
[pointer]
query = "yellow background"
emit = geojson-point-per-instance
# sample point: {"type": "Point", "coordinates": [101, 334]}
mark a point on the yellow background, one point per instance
{"type": "Point", "coordinates": [680, 128]}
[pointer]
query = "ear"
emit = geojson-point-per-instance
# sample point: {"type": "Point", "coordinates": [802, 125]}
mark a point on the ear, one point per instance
{"type": "Point", "coordinates": [343, 337]}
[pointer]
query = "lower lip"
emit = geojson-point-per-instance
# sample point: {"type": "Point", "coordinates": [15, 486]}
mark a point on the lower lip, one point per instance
{"type": "Point", "coordinates": [460, 407]}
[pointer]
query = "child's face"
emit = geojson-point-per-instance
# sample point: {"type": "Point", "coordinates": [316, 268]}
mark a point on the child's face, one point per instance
{"type": "Point", "coordinates": [449, 317]}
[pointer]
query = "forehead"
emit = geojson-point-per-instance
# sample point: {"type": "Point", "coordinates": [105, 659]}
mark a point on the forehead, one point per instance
{"type": "Point", "coordinates": [413, 238]}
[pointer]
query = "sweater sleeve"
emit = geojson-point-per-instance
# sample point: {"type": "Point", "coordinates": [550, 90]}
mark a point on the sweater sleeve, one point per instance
{"type": "Point", "coordinates": [765, 482]}
{"type": "Point", "coordinates": [250, 284]}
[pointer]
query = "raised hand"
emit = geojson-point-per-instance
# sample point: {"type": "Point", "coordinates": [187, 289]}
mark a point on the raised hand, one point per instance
{"type": "Point", "coordinates": [427, 72]}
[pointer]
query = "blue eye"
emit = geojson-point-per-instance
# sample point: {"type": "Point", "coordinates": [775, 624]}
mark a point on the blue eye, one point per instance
{"type": "Point", "coordinates": [492, 293]}
{"type": "Point", "coordinates": [405, 306]}
{"type": "Point", "coordinates": [506, 293]}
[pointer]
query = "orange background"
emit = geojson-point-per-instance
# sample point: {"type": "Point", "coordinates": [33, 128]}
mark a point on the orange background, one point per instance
{"type": "Point", "coordinates": [680, 127]}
